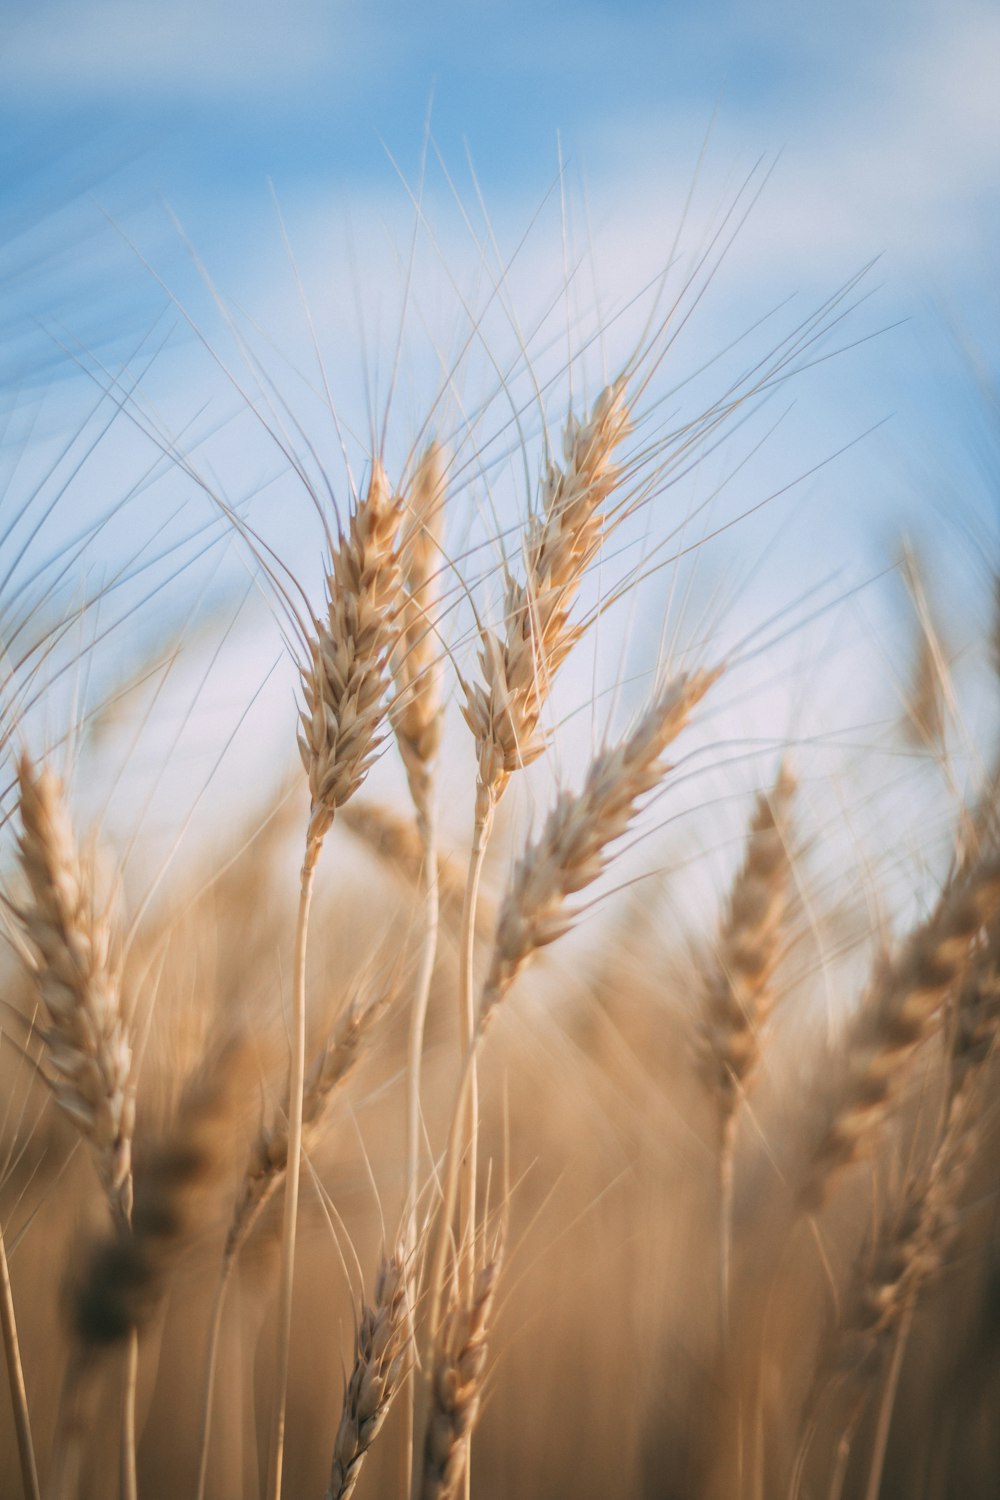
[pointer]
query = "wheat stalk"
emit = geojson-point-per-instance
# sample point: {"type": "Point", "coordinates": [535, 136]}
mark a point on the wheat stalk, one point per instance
{"type": "Point", "coordinates": [345, 685]}
{"type": "Point", "coordinates": [417, 715]}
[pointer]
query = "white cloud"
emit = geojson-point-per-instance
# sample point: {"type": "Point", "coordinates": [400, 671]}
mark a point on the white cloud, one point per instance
{"type": "Point", "coordinates": [178, 48]}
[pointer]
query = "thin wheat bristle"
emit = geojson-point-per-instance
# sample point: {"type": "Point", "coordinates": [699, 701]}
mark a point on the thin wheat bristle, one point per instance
{"type": "Point", "coordinates": [78, 976]}
{"type": "Point", "coordinates": [416, 708]}
{"type": "Point", "coordinates": [380, 1354]}
{"type": "Point", "coordinates": [346, 680]}
{"type": "Point", "coordinates": [457, 1387]}
{"type": "Point", "coordinates": [738, 988]}
{"type": "Point", "coordinates": [560, 543]}
{"type": "Point", "coordinates": [571, 851]}
{"type": "Point", "coordinates": [897, 1014]}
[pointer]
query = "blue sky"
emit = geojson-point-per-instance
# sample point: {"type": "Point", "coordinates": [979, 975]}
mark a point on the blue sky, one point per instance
{"type": "Point", "coordinates": [880, 121]}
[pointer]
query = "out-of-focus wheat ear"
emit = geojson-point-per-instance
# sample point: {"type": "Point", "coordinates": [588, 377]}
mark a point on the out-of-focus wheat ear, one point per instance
{"type": "Point", "coordinates": [902, 1006]}
{"type": "Point", "coordinates": [329, 1070]}
{"type": "Point", "coordinates": [416, 708]}
{"type": "Point", "coordinates": [382, 1348]}
{"type": "Point", "coordinates": [78, 975]}
{"type": "Point", "coordinates": [739, 991]}
{"type": "Point", "coordinates": [126, 1274]}
{"type": "Point", "coordinates": [739, 994]}
{"type": "Point", "coordinates": [927, 701]}
{"type": "Point", "coordinates": [571, 851]}
{"type": "Point", "coordinates": [459, 1364]}
{"type": "Point", "coordinates": [397, 841]}
{"type": "Point", "coordinates": [177, 1190]}
{"type": "Point", "coordinates": [560, 543]}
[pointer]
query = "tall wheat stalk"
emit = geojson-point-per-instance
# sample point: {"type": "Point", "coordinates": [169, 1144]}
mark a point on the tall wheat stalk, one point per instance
{"type": "Point", "coordinates": [518, 667]}
{"type": "Point", "coordinates": [417, 717]}
{"type": "Point", "coordinates": [345, 684]}
{"type": "Point", "coordinates": [15, 1377]}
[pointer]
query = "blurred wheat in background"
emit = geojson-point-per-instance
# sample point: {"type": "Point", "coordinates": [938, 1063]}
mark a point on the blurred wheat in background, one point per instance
{"type": "Point", "coordinates": [501, 982]}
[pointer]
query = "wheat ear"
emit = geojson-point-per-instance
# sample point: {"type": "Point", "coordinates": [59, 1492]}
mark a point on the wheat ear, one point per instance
{"type": "Point", "coordinates": [87, 1042]}
{"type": "Point", "coordinates": [900, 1009]}
{"type": "Point", "coordinates": [738, 989]}
{"type": "Point", "coordinates": [78, 977]}
{"type": "Point", "coordinates": [560, 543]}
{"type": "Point", "coordinates": [569, 855]}
{"type": "Point", "coordinates": [457, 1387]}
{"type": "Point", "coordinates": [381, 1342]}
{"type": "Point", "coordinates": [345, 685]}
{"type": "Point", "coordinates": [571, 851]}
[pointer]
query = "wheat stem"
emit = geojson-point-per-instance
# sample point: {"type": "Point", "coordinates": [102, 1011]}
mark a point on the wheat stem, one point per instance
{"type": "Point", "coordinates": [888, 1400]}
{"type": "Point", "coordinates": [467, 1030]}
{"type": "Point", "coordinates": [15, 1375]}
{"type": "Point", "coordinates": [415, 1050]}
{"type": "Point", "coordinates": [296, 1092]}
{"type": "Point", "coordinates": [129, 1479]}
{"type": "Point", "coordinates": [211, 1364]}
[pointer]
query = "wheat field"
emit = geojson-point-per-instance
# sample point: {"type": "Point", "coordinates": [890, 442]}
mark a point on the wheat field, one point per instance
{"type": "Point", "coordinates": [572, 1072]}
